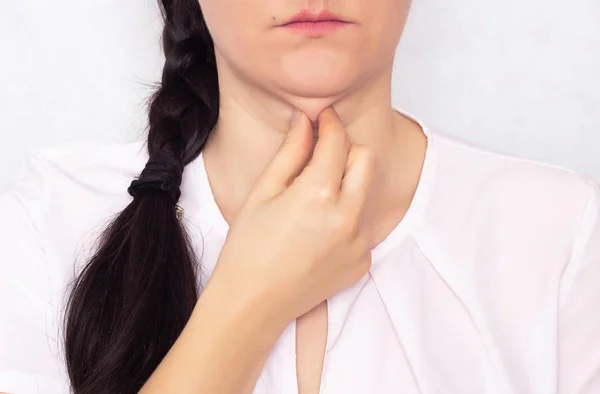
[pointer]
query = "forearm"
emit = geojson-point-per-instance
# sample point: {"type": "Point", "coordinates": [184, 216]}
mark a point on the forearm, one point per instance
{"type": "Point", "coordinates": [222, 349]}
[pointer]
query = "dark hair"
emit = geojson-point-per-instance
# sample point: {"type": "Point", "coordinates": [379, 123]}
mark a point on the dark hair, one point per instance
{"type": "Point", "coordinates": [133, 298]}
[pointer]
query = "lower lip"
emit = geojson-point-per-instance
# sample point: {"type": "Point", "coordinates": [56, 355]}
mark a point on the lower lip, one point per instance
{"type": "Point", "coordinates": [316, 28]}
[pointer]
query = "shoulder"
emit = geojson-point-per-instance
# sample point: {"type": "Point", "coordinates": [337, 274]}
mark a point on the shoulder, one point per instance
{"type": "Point", "coordinates": [491, 180]}
{"type": "Point", "coordinates": [68, 171]}
{"type": "Point", "coordinates": [503, 201]}
{"type": "Point", "coordinates": [80, 164]}
{"type": "Point", "coordinates": [63, 190]}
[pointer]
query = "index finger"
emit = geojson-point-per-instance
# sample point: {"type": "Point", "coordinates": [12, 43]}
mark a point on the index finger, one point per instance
{"type": "Point", "coordinates": [328, 162]}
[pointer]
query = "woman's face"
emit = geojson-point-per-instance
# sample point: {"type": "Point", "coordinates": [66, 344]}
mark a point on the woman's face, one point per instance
{"type": "Point", "coordinates": [249, 40]}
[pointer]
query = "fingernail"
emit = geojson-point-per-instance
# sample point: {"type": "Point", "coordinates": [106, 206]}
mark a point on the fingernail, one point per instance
{"type": "Point", "coordinates": [295, 117]}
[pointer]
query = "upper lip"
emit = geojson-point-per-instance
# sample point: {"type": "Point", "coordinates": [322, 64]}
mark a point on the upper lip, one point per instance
{"type": "Point", "coordinates": [308, 16]}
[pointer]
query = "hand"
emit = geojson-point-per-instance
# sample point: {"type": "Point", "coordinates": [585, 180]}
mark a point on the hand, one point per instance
{"type": "Point", "coordinates": [298, 238]}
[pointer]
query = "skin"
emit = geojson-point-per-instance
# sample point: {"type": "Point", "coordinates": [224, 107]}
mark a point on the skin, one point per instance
{"type": "Point", "coordinates": [265, 72]}
{"type": "Point", "coordinates": [306, 204]}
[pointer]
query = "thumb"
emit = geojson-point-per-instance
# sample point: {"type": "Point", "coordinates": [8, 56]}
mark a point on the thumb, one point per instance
{"type": "Point", "coordinates": [290, 159]}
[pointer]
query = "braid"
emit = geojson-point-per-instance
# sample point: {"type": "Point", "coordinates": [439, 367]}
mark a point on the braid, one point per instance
{"type": "Point", "coordinates": [186, 107]}
{"type": "Point", "coordinates": [135, 295]}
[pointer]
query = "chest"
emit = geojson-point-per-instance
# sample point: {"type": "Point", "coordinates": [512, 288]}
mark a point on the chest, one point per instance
{"type": "Point", "coordinates": [351, 345]}
{"type": "Point", "coordinates": [412, 327]}
{"type": "Point", "coordinates": [328, 352]}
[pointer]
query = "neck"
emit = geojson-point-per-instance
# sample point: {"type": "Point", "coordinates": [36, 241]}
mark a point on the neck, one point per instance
{"type": "Point", "coordinates": [253, 123]}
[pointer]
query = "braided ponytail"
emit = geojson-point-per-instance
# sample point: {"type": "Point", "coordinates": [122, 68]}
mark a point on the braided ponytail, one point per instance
{"type": "Point", "coordinates": [135, 295]}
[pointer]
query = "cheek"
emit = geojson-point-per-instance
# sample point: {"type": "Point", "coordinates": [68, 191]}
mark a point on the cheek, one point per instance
{"type": "Point", "coordinates": [386, 35]}
{"type": "Point", "coordinates": [233, 27]}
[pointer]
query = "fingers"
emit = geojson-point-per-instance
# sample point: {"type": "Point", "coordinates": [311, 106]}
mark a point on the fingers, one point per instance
{"type": "Point", "coordinates": [289, 161]}
{"type": "Point", "coordinates": [328, 163]}
{"type": "Point", "coordinates": [336, 169]}
{"type": "Point", "coordinates": [357, 181]}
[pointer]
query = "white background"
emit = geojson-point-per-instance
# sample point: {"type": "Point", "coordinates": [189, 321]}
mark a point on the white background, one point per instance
{"type": "Point", "coordinates": [519, 76]}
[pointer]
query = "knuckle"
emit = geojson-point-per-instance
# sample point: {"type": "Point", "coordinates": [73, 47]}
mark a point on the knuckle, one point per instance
{"type": "Point", "coordinates": [321, 194]}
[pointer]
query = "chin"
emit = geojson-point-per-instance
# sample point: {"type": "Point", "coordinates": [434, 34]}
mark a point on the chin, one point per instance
{"type": "Point", "coordinates": [320, 77]}
{"type": "Point", "coordinates": [318, 90]}
{"type": "Point", "coordinates": [314, 95]}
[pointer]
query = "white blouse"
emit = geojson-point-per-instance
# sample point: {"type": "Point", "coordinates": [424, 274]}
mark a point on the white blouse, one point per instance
{"type": "Point", "coordinates": [490, 284]}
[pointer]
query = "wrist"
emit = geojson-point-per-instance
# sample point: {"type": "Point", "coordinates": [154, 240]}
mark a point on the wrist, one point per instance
{"type": "Point", "coordinates": [249, 311]}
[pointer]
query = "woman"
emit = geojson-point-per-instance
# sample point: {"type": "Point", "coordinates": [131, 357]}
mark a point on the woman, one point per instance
{"type": "Point", "coordinates": [365, 254]}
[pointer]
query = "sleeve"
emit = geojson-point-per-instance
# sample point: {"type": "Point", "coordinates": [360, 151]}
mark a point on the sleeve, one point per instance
{"type": "Point", "coordinates": [579, 313]}
{"type": "Point", "coordinates": [27, 363]}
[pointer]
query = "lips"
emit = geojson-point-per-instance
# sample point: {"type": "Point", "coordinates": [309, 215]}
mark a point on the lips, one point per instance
{"type": "Point", "coordinates": [305, 16]}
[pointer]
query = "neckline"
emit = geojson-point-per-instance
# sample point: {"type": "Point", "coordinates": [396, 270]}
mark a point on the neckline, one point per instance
{"type": "Point", "coordinates": [210, 215]}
